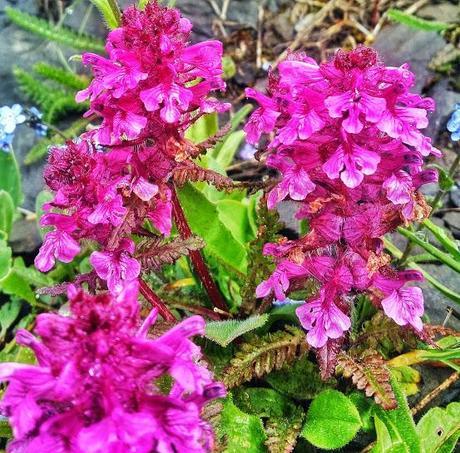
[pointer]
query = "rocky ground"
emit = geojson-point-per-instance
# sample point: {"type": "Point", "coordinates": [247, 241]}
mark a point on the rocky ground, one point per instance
{"type": "Point", "coordinates": [255, 32]}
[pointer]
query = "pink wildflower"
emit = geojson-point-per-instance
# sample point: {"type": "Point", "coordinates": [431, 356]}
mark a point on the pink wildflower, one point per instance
{"type": "Point", "coordinates": [99, 385]}
{"type": "Point", "coordinates": [345, 137]}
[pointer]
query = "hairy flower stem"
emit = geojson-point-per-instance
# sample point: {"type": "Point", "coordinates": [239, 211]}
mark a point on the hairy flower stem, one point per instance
{"type": "Point", "coordinates": [437, 198]}
{"type": "Point", "coordinates": [195, 255]}
{"type": "Point", "coordinates": [155, 301]}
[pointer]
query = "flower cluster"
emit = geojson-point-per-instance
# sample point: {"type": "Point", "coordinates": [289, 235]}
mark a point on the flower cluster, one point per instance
{"type": "Point", "coordinates": [345, 137]}
{"type": "Point", "coordinates": [148, 92]}
{"type": "Point", "coordinates": [103, 385]}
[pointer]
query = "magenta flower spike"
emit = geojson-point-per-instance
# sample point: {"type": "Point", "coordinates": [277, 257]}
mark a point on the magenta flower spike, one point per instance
{"type": "Point", "coordinates": [345, 137]}
{"type": "Point", "coordinates": [102, 384]}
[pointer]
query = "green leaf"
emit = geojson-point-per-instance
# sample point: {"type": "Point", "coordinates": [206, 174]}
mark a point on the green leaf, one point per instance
{"type": "Point", "coordinates": [8, 314]}
{"type": "Point", "coordinates": [10, 177]}
{"type": "Point", "coordinates": [444, 179]}
{"type": "Point", "coordinates": [62, 76]}
{"type": "Point", "coordinates": [365, 408]}
{"type": "Point", "coordinates": [205, 127]}
{"type": "Point", "coordinates": [439, 429]}
{"type": "Point", "coordinates": [43, 197]}
{"type": "Point", "coordinates": [224, 332]}
{"type": "Point", "coordinates": [7, 210]}
{"type": "Point", "coordinates": [395, 429]}
{"type": "Point", "coordinates": [5, 258]}
{"type": "Point", "coordinates": [440, 234]}
{"type": "Point", "coordinates": [228, 67]}
{"type": "Point", "coordinates": [206, 223]}
{"type": "Point", "coordinates": [332, 420]}
{"type": "Point", "coordinates": [234, 214]}
{"type": "Point", "coordinates": [408, 378]}
{"type": "Point", "coordinates": [226, 152]}
{"type": "Point", "coordinates": [62, 35]}
{"type": "Point", "coordinates": [241, 431]}
{"type": "Point", "coordinates": [5, 428]}
{"type": "Point", "coordinates": [14, 285]}
{"type": "Point", "coordinates": [110, 12]}
{"type": "Point", "coordinates": [301, 380]}
{"type": "Point", "coordinates": [416, 22]}
{"type": "Point", "coordinates": [441, 256]}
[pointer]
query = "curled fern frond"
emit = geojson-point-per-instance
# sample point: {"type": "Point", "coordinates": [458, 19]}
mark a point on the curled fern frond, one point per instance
{"type": "Point", "coordinates": [62, 35]}
{"type": "Point", "coordinates": [190, 172]}
{"type": "Point", "coordinates": [369, 373]}
{"type": "Point", "coordinates": [61, 76]}
{"type": "Point", "coordinates": [261, 355]}
{"type": "Point", "coordinates": [282, 433]}
{"type": "Point", "coordinates": [153, 253]}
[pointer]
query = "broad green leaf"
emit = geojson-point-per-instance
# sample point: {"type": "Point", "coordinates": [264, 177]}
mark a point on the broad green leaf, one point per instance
{"type": "Point", "coordinates": [226, 152]}
{"type": "Point", "coordinates": [110, 12]}
{"type": "Point", "coordinates": [10, 177]}
{"type": "Point", "coordinates": [206, 223]}
{"type": "Point", "coordinates": [234, 215]}
{"type": "Point", "coordinates": [301, 380]}
{"type": "Point", "coordinates": [439, 429]}
{"type": "Point", "coordinates": [332, 420]}
{"type": "Point", "coordinates": [365, 406]}
{"type": "Point", "coordinates": [440, 234]}
{"type": "Point", "coordinates": [30, 274]}
{"type": "Point", "coordinates": [224, 332]}
{"type": "Point", "coordinates": [395, 429]}
{"type": "Point", "coordinates": [5, 258]}
{"type": "Point", "coordinates": [7, 210]}
{"type": "Point", "coordinates": [416, 22]}
{"type": "Point", "coordinates": [242, 432]}
{"type": "Point", "coordinates": [8, 314]}
{"type": "Point", "coordinates": [441, 256]}
{"type": "Point", "coordinates": [14, 285]}
{"type": "Point", "coordinates": [204, 128]}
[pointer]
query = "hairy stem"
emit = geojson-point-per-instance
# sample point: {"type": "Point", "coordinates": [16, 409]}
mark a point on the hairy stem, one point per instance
{"type": "Point", "coordinates": [155, 301]}
{"type": "Point", "coordinates": [195, 255]}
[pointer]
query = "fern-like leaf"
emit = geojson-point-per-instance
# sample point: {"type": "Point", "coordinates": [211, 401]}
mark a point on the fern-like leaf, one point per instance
{"type": "Point", "coordinates": [40, 150]}
{"type": "Point", "coordinates": [62, 35]}
{"type": "Point", "coordinates": [152, 253]}
{"type": "Point", "coordinates": [282, 433]}
{"type": "Point", "coordinates": [109, 11]}
{"type": "Point", "coordinates": [191, 172]}
{"type": "Point", "coordinates": [62, 76]}
{"type": "Point", "coordinates": [370, 374]}
{"type": "Point", "coordinates": [261, 355]}
{"type": "Point", "coordinates": [327, 357]}
{"type": "Point", "coordinates": [53, 102]}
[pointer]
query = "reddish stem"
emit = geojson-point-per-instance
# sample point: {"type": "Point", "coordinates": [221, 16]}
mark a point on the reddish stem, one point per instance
{"type": "Point", "coordinates": [195, 255]}
{"type": "Point", "coordinates": [155, 301]}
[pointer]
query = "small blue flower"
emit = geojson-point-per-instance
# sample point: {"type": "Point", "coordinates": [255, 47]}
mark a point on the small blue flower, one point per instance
{"type": "Point", "coordinates": [453, 125]}
{"type": "Point", "coordinates": [9, 118]}
{"type": "Point", "coordinates": [6, 142]}
{"type": "Point", "coordinates": [34, 121]}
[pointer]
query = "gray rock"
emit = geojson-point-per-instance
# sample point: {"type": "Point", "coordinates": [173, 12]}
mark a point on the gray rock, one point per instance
{"type": "Point", "coordinates": [24, 237]}
{"type": "Point", "coordinates": [454, 196]}
{"type": "Point", "coordinates": [452, 219]}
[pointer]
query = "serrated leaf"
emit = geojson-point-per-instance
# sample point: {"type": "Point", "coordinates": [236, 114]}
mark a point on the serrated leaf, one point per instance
{"type": "Point", "coordinates": [10, 177]}
{"type": "Point", "coordinates": [416, 22]}
{"type": "Point", "coordinates": [240, 431]}
{"type": "Point", "coordinates": [371, 375]}
{"type": "Point", "coordinates": [395, 429]}
{"type": "Point", "coordinates": [259, 356]}
{"type": "Point", "coordinates": [332, 420]}
{"type": "Point", "coordinates": [301, 380]}
{"type": "Point", "coordinates": [63, 35]}
{"type": "Point", "coordinates": [224, 332]}
{"type": "Point", "coordinates": [7, 210]}
{"type": "Point", "coordinates": [439, 429]}
{"type": "Point", "coordinates": [206, 223]}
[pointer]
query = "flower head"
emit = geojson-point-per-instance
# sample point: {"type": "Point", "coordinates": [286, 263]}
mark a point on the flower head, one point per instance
{"type": "Point", "coordinates": [453, 125]}
{"type": "Point", "coordinates": [104, 385]}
